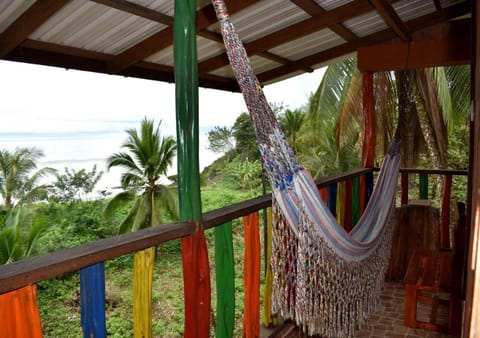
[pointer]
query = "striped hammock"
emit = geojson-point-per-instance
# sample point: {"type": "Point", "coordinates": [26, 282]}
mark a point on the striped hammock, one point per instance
{"type": "Point", "coordinates": [325, 279]}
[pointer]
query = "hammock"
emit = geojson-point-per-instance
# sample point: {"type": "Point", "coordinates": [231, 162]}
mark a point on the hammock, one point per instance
{"type": "Point", "coordinates": [325, 279]}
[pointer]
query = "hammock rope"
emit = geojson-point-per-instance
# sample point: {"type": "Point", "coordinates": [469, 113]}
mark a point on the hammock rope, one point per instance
{"type": "Point", "coordinates": [325, 279]}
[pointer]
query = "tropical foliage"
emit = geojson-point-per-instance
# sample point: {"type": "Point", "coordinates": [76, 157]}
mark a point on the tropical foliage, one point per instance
{"type": "Point", "coordinates": [75, 185]}
{"type": "Point", "coordinates": [19, 186]}
{"type": "Point", "coordinates": [425, 102]}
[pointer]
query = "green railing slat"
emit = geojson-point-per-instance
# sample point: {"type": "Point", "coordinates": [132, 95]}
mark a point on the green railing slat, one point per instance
{"type": "Point", "coordinates": [224, 268]}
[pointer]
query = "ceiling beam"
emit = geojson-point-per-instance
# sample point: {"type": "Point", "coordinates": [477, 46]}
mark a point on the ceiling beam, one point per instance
{"type": "Point", "coordinates": [383, 36]}
{"type": "Point", "coordinates": [449, 44]}
{"type": "Point", "coordinates": [293, 32]}
{"type": "Point", "coordinates": [142, 11]}
{"type": "Point", "coordinates": [312, 8]}
{"type": "Point", "coordinates": [392, 19]}
{"type": "Point", "coordinates": [158, 41]}
{"type": "Point", "coordinates": [28, 22]}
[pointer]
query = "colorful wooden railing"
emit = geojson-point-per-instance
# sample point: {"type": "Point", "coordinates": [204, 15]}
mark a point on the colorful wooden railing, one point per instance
{"type": "Point", "coordinates": [345, 194]}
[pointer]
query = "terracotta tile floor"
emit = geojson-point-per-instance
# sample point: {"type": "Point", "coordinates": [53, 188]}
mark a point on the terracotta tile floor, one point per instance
{"type": "Point", "coordinates": [387, 321]}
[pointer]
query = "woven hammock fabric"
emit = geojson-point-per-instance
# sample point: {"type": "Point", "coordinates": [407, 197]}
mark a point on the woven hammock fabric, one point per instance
{"type": "Point", "coordinates": [325, 279]}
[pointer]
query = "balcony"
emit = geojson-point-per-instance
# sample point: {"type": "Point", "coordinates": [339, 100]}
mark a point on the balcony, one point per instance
{"type": "Point", "coordinates": [386, 322]}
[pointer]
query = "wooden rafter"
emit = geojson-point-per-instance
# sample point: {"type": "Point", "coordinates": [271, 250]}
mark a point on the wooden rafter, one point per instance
{"type": "Point", "coordinates": [372, 39]}
{"type": "Point", "coordinates": [21, 28]}
{"type": "Point", "coordinates": [392, 19]}
{"type": "Point", "coordinates": [164, 38]}
{"type": "Point", "coordinates": [311, 25]}
{"type": "Point", "coordinates": [133, 8]}
{"type": "Point", "coordinates": [312, 8]}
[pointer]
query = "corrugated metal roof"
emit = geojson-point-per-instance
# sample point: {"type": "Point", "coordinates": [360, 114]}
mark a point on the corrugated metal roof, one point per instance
{"type": "Point", "coordinates": [10, 10]}
{"type": "Point", "coordinates": [126, 34]}
{"type": "Point", "coordinates": [266, 17]}
{"type": "Point", "coordinates": [365, 24]}
{"type": "Point", "coordinates": [410, 9]}
{"type": "Point", "coordinates": [300, 48]}
{"type": "Point", "coordinates": [85, 24]}
{"type": "Point", "coordinates": [331, 4]}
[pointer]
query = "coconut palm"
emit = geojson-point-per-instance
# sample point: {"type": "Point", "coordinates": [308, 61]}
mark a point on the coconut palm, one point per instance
{"type": "Point", "coordinates": [428, 101]}
{"type": "Point", "coordinates": [146, 159]}
{"type": "Point", "coordinates": [291, 122]}
{"type": "Point", "coordinates": [18, 185]}
{"type": "Point", "coordinates": [19, 236]}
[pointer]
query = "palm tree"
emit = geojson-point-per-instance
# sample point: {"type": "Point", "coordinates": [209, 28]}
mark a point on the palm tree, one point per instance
{"type": "Point", "coordinates": [146, 159]}
{"type": "Point", "coordinates": [428, 101]}
{"type": "Point", "coordinates": [291, 122]}
{"type": "Point", "coordinates": [18, 185]}
{"type": "Point", "coordinates": [19, 236]}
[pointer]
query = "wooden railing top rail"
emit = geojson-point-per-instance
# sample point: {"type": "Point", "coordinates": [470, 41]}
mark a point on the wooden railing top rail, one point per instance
{"type": "Point", "coordinates": [32, 270]}
{"type": "Point", "coordinates": [452, 172]}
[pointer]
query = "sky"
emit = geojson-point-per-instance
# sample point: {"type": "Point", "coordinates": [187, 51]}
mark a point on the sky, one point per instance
{"type": "Point", "coordinates": [79, 119]}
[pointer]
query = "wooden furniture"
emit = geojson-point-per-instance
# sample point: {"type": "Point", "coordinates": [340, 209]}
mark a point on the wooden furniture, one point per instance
{"type": "Point", "coordinates": [416, 226]}
{"type": "Point", "coordinates": [430, 280]}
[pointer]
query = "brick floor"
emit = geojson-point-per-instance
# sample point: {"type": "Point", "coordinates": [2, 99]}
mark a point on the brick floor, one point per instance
{"type": "Point", "coordinates": [386, 322]}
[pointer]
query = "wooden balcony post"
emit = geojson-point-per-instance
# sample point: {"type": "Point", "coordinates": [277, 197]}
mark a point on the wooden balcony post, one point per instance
{"type": "Point", "coordinates": [19, 315]}
{"type": "Point", "coordinates": [224, 267]}
{"type": "Point", "coordinates": [423, 186]}
{"type": "Point", "coordinates": [196, 270]}
{"type": "Point", "coordinates": [251, 277]}
{"type": "Point", "coordinates": [404, 185]}
{"type": "Point", "coordinates": [369, 137]}
{"type": "Point", "coordinates": [445, 222]}
{"type": "Point", "coordinates": [369, 122]}
{"type": "Point", "coordinates": [92, 301]}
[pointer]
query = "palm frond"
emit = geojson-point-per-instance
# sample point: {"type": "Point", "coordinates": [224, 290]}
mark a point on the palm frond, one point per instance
{"type": "Point", "coordinates": [118, 201]}
{"type": "Point", "coordinates": [167, 197]}
{"type": "Point", "coordinates": [144, 212]}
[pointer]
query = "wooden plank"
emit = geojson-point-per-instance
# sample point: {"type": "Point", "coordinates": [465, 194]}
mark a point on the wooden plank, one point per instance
{"type": "Point", "coordinates": [225, 283]}
{"type": "Point", "coordinates": [421, 54]}
{"type": "Point", "coordinates": [251, 277]}
{"type": "Point", "coordinates": [19, 315]}
{"type": "Point", "coordinates": [92, 301]}
{"type": "Point", "coordinates": [18, 274]}
{"type": "Point", "coordinates": [472, 305]}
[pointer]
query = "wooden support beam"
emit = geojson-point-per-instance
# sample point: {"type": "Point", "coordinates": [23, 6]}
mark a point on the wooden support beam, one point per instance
{"type": "Point", "coordinates": [471, 326]}
{"type": "Point", "coordinates": [30, 20]}
{"type": "Point", "coordinates": [443, 45]}
{"type": "Point", "coordinates": [392, 19]}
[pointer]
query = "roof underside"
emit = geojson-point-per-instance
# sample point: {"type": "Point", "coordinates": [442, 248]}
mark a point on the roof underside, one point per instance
{"type": "Point", "coordinates": [283, 37]}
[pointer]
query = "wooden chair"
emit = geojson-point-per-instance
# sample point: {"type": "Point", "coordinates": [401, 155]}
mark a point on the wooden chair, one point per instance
{"type": "Point", "coordinates": [435, 277]}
